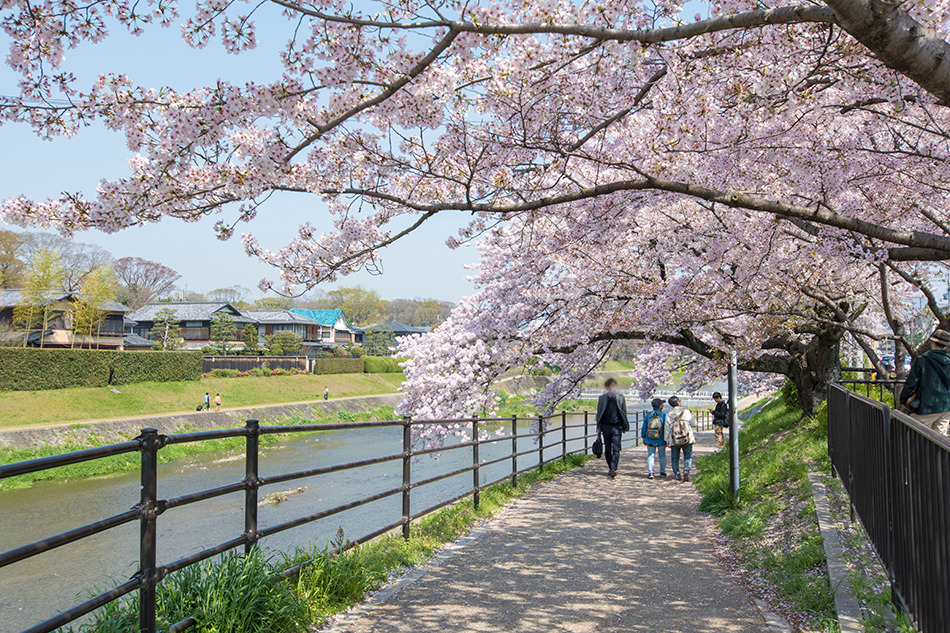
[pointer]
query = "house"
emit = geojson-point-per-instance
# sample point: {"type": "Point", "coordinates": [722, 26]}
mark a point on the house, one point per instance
{"type": "Point", "coordinates": [335, 328]}
{"type": "Point", "coordinates": [270, 322]}
{"type": "Point", "coordinates": [397, 329]}
{"type": "Point", "coordinates": [194, 321]}
{"type": "Point", "coordinates": [59, 331]}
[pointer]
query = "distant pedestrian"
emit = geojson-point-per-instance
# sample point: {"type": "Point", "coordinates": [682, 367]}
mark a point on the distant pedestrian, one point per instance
{"type": "Point", "coordinates": [720, 418]}
{"type": "Point", "coordinates": [612, 423]}
{"type": "Point", "coordinates": [326, 393]}
{"type": "Point", "coordinates": [217, 401]}
{"type": "Point", "coordinates": [207, 401]}
{"type": "Point", "coordinates": [928, 385]}
{"type": "Point", "coordinates": [653, 433]}
{"type": "Point", "coordinates": [680, 437]}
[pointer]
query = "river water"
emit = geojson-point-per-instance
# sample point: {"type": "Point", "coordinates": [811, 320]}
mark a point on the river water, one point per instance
{"type": "Point", "coordinates": [38, 588]}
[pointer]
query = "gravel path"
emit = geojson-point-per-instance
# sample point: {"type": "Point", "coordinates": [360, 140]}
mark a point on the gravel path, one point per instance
{"type": "Point", "coordinates": [583, 553]}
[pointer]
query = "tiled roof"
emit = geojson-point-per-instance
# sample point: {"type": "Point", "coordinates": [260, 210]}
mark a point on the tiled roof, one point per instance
{"type": "Point", "coordinates": [323, 317]}
{"type": "Point", "coordinates": [278, 316]}
{"type": "Point", "coordinates": [13, 297]}
{"type": "Point", "coordinates": [189, 311]}
{"type": "Point", "coordinates": [397, 328]}
{"type": "Point", "coordinates": [137, 341]}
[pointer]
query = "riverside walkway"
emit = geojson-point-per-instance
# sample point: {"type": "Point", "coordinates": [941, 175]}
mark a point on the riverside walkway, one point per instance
{"type": "Point", "coordinates": [583, 553]}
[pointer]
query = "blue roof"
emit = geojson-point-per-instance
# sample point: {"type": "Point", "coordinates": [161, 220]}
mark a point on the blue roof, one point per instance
{"type": "Point", "coordinates": [323, 317]}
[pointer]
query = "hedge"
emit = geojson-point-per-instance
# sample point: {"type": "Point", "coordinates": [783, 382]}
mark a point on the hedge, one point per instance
{"type": "Point", "coordinates": [381, 365]}
{"type": "Point", "coordinates": [34, 369]}
{"type": "Point", "coordinates": [338, 366]}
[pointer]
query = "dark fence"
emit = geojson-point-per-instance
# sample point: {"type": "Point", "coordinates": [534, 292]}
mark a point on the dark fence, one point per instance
{"type": "Point", "coordinates": [897, 474]}
{"type": "Point", "coordinates": [246, 363]}
{"type": "Point", "coordinates": [549, 432]}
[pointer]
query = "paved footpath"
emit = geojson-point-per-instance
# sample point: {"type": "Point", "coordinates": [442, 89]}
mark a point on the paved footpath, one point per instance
{"type": "Point", "coordinates": [582, 553]}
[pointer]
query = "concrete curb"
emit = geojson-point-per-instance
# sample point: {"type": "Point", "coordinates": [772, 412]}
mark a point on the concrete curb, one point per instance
{"type": "Point", "coordinates": [846, 604]}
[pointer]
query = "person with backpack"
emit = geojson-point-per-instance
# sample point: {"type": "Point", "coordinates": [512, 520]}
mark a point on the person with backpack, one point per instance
{"type": "Point", "coordinates": [720, 419]}
{"type": "Point", "coordinates": [653, 432]}
{"type": "Point", "coordinates": [926, 394]}
{"type": "Point", "coordinates": [679, 436]}
{"type": "Point", "coordinates": [612, 423]}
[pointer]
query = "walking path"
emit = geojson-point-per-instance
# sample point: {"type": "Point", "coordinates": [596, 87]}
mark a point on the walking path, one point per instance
{"type": "Point", "coordinates": [583, 553]}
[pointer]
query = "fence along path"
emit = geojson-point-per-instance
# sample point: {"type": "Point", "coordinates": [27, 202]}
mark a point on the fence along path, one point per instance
{"type": "Point", "coordinates": [584, 553]}
{"type": "Point", "coordinates": [564, 433]}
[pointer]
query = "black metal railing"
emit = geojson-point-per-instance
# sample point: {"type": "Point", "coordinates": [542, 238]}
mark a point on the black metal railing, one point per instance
{"type": "Point", "coordinates": [147, 512]}
{"type": "Point", "coordinates": [897, 474]}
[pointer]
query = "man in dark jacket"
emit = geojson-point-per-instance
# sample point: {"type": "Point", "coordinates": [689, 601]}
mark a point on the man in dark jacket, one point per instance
{"type": "Point", "coordinates": [929, 380]}
{"type": "Point", "coordinates": [612, 423]}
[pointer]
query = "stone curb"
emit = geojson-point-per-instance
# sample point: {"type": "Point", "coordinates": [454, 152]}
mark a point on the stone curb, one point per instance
{"type": "Point", "coordinates": [846, 604]}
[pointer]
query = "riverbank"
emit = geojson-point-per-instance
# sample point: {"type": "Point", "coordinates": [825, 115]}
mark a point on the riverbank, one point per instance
{"type": "Point", "coordinates": [20, 409]}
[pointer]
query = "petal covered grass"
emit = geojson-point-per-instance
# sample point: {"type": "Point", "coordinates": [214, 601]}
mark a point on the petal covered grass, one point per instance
{"type": "Point", "coordinates": [771, 540]}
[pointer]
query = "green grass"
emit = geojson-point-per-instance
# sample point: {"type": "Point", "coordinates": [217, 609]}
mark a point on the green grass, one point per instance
{"type": "Point", "coordinates": [27, 408]}
{"type": "Point", "coordinates": [173, 452]}
{"type": "Point", "coordinates": [617, 365]}
{"type": "Point", "coordinates": [232, 594]}
{"type": "Point", "coordinates": [773, 524]}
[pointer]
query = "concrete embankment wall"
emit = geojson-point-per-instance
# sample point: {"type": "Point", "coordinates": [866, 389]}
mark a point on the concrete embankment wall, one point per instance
{"type": "Point", "coordinates": [119, 430]}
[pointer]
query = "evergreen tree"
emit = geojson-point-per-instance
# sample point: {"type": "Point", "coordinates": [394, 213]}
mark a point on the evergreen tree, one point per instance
{"type": "Point", "coordinates": [250, 338]}
{"type": "Point", "coordinates": [223, 330]}
{"type": "Point", "coordinates": [165, 329]}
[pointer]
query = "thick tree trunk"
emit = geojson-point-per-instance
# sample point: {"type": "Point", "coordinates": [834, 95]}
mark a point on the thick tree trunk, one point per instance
{"type": "Point", "coordinates": [814, 367]}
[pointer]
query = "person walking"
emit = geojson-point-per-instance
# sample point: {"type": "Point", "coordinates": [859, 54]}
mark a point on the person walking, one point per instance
{"type": "Point", "coordinates": [720, 418]}
{"type": "Point", "coordinates": [680, 437]}
{"type": "Point", "coordinates": [326, 393]}
{"type": "Point", "coordinates": [207, 401]}
{"type": "Point", "coordinates": [653, 433]}
{"type": "Point", "coordinates": [928, 385]}
{"type": "Point", "coordinates": [217, 401]}
{"type": "Point", "coordinates": [612, 423]}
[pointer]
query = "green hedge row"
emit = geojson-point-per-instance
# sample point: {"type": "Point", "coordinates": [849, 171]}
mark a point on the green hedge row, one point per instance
{"type": "Point", "coordinates": [381, 365]}
{"type": "Point", "coordinates": [34, 369]}
{"type": "Point", "coordinates": [338, 366]}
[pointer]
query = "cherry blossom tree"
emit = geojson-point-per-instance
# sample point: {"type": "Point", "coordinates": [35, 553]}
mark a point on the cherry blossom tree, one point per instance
{"type": "Point", "coordinates": [816, 130]}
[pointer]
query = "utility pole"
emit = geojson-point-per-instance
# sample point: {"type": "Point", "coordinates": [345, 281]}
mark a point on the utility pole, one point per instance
{"type": "Point", "coordinates": [733, 428]}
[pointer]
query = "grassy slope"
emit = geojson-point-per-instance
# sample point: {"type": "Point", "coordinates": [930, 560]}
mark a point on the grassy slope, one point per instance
{"type": "Point", "coordinates": [21, 408]}
{"type": "Point", "coordinates": [774, 530]}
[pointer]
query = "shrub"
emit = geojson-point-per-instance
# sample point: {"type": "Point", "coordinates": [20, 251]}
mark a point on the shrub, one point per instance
{"type": "Point", "coordinates": [358, 352]}
{"type": "Point", "coordinates": [338, 366]}
{"type": "Point", "coordinates": [381, 365]}
{"type": "Point", "coordinates": [257, 371]}
{"type": "Point", "coordinates": [224, 373]}
{"type": "Point", "coordinates": [31, 369]}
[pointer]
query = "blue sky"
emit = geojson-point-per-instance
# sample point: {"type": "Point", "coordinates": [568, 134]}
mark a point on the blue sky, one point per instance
{"type": "Point", "coordinates": [419, 266]}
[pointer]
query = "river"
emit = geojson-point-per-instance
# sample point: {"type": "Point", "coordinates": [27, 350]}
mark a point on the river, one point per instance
{"type": "Point", "coordinates": [35, 589]}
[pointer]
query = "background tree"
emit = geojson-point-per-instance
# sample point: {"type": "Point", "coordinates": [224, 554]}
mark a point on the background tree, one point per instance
{"type": "Point", "coordinates": [234, 295]}
{"type": "Point", "coordinates": [79, 260]}
{"type": "Point", "coordinates": [251, 340]}
{"type": "Point", "coordinates": [12, 253]}
{"type": "Point", "coordinates": [142, 280]}
{"type": "Point", "coordinates": [223, 330]}
{"type": "Point", "coordinates": [97, 289]}
{"type": "Point", "coordinates": [166, 329]}
{"type": "Point", "coordinates": [360, 305]}
{"type": "Point", "coordinates": [284, 343]}
{"type": "Point", "coordinates": [43, 279]}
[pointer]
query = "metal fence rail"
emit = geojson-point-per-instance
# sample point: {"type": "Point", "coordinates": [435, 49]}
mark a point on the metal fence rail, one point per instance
{"type": "Point", "coordinates": [548, 432]}
{"type": "Point", "coordinates": [897, 474]}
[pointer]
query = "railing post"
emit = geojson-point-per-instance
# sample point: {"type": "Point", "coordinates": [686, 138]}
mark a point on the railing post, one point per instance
{"type": "Point", "coordinates": [475, 488]}
{"type": "Point", "coordinates": [406, 474]}
{"type": "Point", "coordinates": [250, 481]}
{"type": "Point", "coordinates": [586, 432]}
{"type": "Point", "coordinates": [541, 443]}
{"type": "Point", "coordinates": [514, 451]}
{"type": "Point", "coordinates": [150, 443]}
{"type": "Point", "coordinates": [563, 435]}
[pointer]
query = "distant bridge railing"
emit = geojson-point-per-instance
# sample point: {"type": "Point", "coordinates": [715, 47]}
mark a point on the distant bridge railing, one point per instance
{"type": "Point", "coordinates": [150, 573]}
{"type": "Point", "coordinates": [897, 474]}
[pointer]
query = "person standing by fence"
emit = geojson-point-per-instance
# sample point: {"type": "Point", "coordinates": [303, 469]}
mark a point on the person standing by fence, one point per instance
{"type": "Point", "coordinates": [612, 423]}
{"type": "Point", "coordinates": [652, 432]}
{"type": "Point", "coordinates": [928, 385]}
{"type": "Point", "coordinates": [679, 435]}
{"type": "Point", "coordinates": [720, 419]}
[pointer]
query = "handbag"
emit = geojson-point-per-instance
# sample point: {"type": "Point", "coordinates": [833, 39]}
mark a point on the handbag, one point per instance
{"type": "Point", "coordinates": [598, 448]}
{"type": "Point", "coordinates": [912, 403]}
